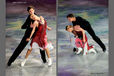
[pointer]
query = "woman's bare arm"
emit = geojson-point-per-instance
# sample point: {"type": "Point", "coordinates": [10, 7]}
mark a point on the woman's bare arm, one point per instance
{"type": "Point", "coordinates": [42, 20]}
{"type": "Point", "coordinates": [34, 17]}
{"type": "Point", "coordinates": [49, 28]}
{"type": "Point", "coordinates": [33, 30]}
{"type": "Point", "coordinates": [78, 28]}
{"type": "Point", "coordinates": [34, 27]}
{"type": "Point", "coordinates": [83, 32]}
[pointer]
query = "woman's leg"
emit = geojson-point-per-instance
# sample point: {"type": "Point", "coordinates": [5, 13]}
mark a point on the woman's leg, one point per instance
{"type": "Point", "coordinates": [26, 56]}
{"type": "Point", "coordinates": [48, 55]}
{"type": "Point", "coordinates": [28, 53]}
{"type": "Point", "coordinates": [79, 50]}
{"type": "Point", "coordinates": [85, 48]}
{"type": "Point", "coordinates": [92, 50]}
{"type": "Point", "coordinates": [47, 52]}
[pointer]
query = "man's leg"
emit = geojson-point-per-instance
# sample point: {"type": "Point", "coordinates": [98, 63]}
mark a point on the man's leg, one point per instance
{"type": "Point", "coordinates": [17, 51]}
{"type": "Point", "coordinates": [96, 38]}
{"type": "Point", "coordinates": [43, 56]}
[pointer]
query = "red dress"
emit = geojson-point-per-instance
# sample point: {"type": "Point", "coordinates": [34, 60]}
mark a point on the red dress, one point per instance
{"type": "Point", "coordinates": [79, 41]}
{"type": "Point", "coordinates": [40, 36]}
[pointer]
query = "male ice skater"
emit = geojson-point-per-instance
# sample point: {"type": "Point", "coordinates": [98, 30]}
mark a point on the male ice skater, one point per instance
{"type": "Point", "coordinates": [23, 42]}
{"type": "Point", "coordinates": [84, 24]}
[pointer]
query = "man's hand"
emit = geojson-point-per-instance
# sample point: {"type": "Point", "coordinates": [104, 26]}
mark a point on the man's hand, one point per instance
{"type": "Point", "coordinates": [77, 27]}
{"type": "Point", "coordinates": [28, 39]}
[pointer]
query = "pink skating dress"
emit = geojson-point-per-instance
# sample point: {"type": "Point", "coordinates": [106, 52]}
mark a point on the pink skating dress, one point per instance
{"type": "Point", "coordinates": [79, 41]}
{"type": "Point", "coordinates": [40, 36]}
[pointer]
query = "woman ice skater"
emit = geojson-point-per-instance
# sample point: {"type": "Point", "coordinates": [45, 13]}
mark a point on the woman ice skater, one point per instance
{"type": "Point", "coordinates": [40, 36]}
{"type": "Point", "coordinates": [81, 41]}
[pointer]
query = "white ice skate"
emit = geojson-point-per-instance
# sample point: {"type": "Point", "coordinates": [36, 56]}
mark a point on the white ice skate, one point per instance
{"type": "Point", "coordinates": [85, 53]}
{"type": "Point", "coordinates": [106, 52]}
{"type": "Point", "coordinates": [49, 62]}
{"type": "Point", "coordinates": [79, 51]}
{"type": "Point", "coordinates": [23, 63]}
{"type": "Point", "coordinates": [92, 50]}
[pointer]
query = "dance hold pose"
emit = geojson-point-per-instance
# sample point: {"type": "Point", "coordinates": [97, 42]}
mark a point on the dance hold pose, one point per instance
{"type": "Point", "coordinates": [84, 24]}
{"type": "Point", "coordinates": [81, 40]}
{"type": "Point", "coordinates": [40, 36]}
{"type": "Point", "coordinates": [23, 42]}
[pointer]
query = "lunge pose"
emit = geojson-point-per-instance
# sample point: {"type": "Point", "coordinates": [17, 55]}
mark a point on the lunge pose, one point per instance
{"type": "Point", "coordinates": [40, 36]}
{"type": "Point", "coordinates": [85, 25]}
{"type": "Point", "coordinates": [23, 42]}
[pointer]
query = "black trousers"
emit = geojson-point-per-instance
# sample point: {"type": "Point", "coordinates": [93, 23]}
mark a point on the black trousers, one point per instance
{"type": "Point", "coordinates": [20, 48]}
{"type": "Point", "coordinates": [43, 56]}
{"type": "Point", "coordinates": [96, 38]}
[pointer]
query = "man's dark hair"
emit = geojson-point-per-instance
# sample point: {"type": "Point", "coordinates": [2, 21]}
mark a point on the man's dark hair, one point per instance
{"type": "Point", "coordinates": [30, 7]}
{"type": "Point", "coordinates": [70, 15]}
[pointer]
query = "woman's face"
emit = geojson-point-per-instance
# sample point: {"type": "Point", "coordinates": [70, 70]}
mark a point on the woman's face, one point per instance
{"type": "Point", "coordinates": [32, 17]}
{"type": "Point", "coordinates": [31, 11]}
{"type": "Point", "coordinates": [69, 29]}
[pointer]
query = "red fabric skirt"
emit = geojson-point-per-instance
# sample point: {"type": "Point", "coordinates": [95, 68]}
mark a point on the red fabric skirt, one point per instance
{"type": "Point", "coordinates": [80, 43]}
{"type": "Point", "coordinates": [40, 37]}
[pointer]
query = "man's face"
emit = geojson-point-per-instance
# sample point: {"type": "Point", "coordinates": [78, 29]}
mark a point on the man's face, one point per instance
{"type": "Point", "coordinates": [31, 11]}
{"type": "Point", "coordinates": [70, 19]}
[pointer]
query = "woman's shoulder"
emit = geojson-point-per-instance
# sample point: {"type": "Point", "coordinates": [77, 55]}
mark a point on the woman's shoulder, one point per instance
{"type": "Point", "coordinates": [36, 17]}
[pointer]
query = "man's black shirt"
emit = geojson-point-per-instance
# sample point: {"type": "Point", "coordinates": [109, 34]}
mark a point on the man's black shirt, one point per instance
{"type": "Point", "coordinates": [84, 24]}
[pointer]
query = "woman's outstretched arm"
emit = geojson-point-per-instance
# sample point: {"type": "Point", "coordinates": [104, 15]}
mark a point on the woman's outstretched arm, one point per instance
{"type": "Point", "coordinates": [49, 28]}
{"type": "Point", "coordinates": [35, 24]}
{"type": "Point", "coordinates": [33, 30]}
{"type": "Point", "coordinates": [34, 27]}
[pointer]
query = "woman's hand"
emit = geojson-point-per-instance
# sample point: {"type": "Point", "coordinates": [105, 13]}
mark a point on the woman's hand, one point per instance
{"type": "Point", "coordinates": [49, 28]}
{"type": "Point", "coordinates": [28, 39]}
{"type": "Point", "coordinates": [77, 36]}
{"type": "Point", "coordinates": [41, 18]}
